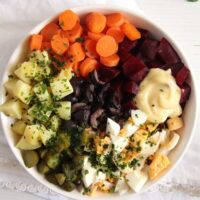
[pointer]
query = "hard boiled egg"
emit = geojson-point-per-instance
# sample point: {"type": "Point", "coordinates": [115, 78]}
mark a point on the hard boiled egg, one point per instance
{"type": "Point", "coordinates": [138, 117]}
{"type": "Point", "coordinates": [112, 128]}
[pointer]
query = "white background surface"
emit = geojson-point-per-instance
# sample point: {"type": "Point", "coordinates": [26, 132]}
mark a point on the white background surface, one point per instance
{"type": "Point", "coordinates": [179, 17]}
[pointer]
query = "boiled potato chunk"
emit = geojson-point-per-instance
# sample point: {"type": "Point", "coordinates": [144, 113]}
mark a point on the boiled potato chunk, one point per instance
{"type": "Point", "coordinates": [64, 110]}
{"type": "Point", "coordinates": [19, 127]}
{"type": "Point", "coordinates": [40, 112]}
{"type": "Point", "coordinates": [24, 145]}
{"type": "Point", "coordinates": [41, 91]}
{"type": "Point", "coordinates": [32, 134]}
{"type": "Point", "coordinates": [12, 108]}
{"type": "Point", "coordinates": [42, 72]}
{"type": "Point", "coordinates": [26, 71]}
{"type": "Point", "coordinates": [48, 134]}
{"type": "Point", "coordinates": [19, 89]}
{"type": "Point", "coordinates": [27, 118]}
{"type": "Point", "coordinates": [60, 87]}
{"type": "Point", "coordinates": [66, 73]}
{"type": "Point", "coordinates": [31, 158]}
{"type": "Point", "coordinates": [55, 122]}
{"type": "Point", "coordinates": [41, 58]}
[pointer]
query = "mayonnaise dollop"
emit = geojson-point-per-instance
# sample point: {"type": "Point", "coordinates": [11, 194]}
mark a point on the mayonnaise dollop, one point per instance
{"type": "Point", "coordinates": [159, 96]}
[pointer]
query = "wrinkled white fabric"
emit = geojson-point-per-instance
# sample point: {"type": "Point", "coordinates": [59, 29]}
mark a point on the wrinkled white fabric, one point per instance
{"type": "Point", "coordinates": [17, 18]}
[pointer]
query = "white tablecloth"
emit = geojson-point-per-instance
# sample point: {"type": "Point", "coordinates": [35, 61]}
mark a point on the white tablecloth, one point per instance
{"type": "Point", "coordinates": [17, 17]}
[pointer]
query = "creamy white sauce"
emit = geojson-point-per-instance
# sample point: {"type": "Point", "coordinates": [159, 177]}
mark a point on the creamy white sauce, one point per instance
{"type": "Point", "coordinates": [159, 96]}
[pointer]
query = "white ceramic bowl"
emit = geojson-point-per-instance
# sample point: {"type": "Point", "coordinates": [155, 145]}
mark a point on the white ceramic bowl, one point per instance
{"type": "Point", "coordinates": [190, 112]}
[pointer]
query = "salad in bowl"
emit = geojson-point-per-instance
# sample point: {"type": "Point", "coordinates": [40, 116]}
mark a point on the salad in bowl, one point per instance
{"type": "Point", "coordinates": [97, 103]}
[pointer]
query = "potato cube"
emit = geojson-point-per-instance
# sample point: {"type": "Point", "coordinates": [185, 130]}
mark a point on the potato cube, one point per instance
{"type": "Point", "coordinates": [42, 93]}
{"type": "Point", "coordinates": [12, 108]}
{"type": "Point", "coordinates": [63, 110]}
{"type": "Point", "coordinates": [24, 145]}
{"type": "Point", "coordinates": [174, 123]}
{"type": "Point", "coordinates": [46, 136]}
{"type": "Point", "coordinates": [26, 71]}
{"type": "Point", "coordinates": [19, 127]}
{"type": "Point", "coordinates": [60, 87]}
{"type": "Point", "coordinates": [19, 89]}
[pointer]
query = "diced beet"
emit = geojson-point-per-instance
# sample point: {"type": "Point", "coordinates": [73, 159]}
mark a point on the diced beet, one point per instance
{"type": "Point", "coordinates": [124, 55]}
{"type": "Point", "coordinates": [130, 87]}
{"type": "Point", "coordinates": [129, 105]}
{"type": "Point", "coordinates": [149, 49]}
{"type": "Point", "coordinates": [132, 64]}
{"type": "Point", "coordinates": [106, 74]}
{"type": "Point", "coordinates": [182, 75]}
{"type": "Point", "coordinates": [127, 44]}
{"type": "Point", "coordinates": [139, 75]}
{"type": "Point", "coordinates": [78, 106]}
{"type": "Point", "coordinates": [155, 64]}
{"type": "Point", "coordinates": [144, 33]}
{"type": "Point", "coordinates": [167, 53]}
{"type": "Point", "coordinates": [185, 92]}
{"type": "Point", "coordinates": [175, 67]}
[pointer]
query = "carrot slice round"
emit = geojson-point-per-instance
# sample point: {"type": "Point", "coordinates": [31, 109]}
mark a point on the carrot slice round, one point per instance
{"type": "Point", "coordinates": [76, 68]}
{"type": "Point", "coordinates": [110, 61]}
{"type": "Point", "coordinates": [59, 44]}
{"type": "Point", "coordinates": [36, 42]}
{"type": "Point", "coordinates": [95, 36]}
{"type": "Point", "coordinates": [95, 22]}
{"type": "Point", "coordinates": [87, 66]}
{"type": "Point", "coordinates": [76, 52]}
{"type": "Point", "coordinates": [114, 19]}
{"type": "Point", "coordinates": [73, 34]}
{"type": "Point", "coordinates": [106, 46]}
{"type": "Point", "coordinates": [46, 46]}
{"type": "Point", "coordinates": [116, 33]}
{"type": "Point", "coordinates": [49, 31]}
{"type": "Point", "coordinates": [131, 31]}
{"type": "Point", "coordinates": [90, 48]}
{"type": "Point", "coordinates": [67, 20]}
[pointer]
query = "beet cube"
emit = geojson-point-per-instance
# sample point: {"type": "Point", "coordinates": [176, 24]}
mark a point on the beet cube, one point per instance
{"type": "Point", "coordinates": [167, 53]}
{"type": "Point", "coordinates": [175, 67]}
{"type": "Point", "coordinates": [149, 49]}
{"type": "Point", "coordinates": [132, 64]}
{"type": "Point", "coordinates": [124, 55]}
{"type": "Point", "coordinates": [185, 92]}
{"type": "Point", "coordinates": [106, 74]}
{"type": "Point", "coordinates": [182, 75]}
{"type": "Point", "coordinates": [128, 44]}
{"type": "Point", "coordinates": [139, 75]}
{"type": "Point", "coordinates": [130, 87]}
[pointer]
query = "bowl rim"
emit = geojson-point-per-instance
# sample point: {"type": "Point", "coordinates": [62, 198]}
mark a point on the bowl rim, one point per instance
{"type": "Point", "coordinates": [113, 8]}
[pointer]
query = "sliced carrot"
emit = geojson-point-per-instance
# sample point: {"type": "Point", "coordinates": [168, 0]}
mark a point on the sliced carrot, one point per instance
{"type": "Point", "coordinates": [95, 22]}
{"type": "Point", "coordinates": [49, 31]}
{"type": "Point", "coordinates": [67, 20]}
{"type": "Point", "coordinates": [131, 31]}
{"type": "Point", "coordinates": [59, 62]}
{"type": "Point", "coordinates": [110, 61]}
{"type": "Point", "coordinates": [90, 48]}
{"type": "Point", "coordinates": [95, 36]}
{"type": "Point", "coordinates": [117, 33]}
{"type": "Point", "coordinates": [76, 69]}
{"type": "Point", "coordinates": [87, 66]}
{"type": "Point", "coordinates": [46, 46]}
{"type": "Point", "coordinates": [106, 46]}
{"type": "Point", "coordinates": [36, 42]}
{"type": "Point", "coordinates": [59, 44]}
{"type": "Point", "coordinates": [73, 34]}
{"type": "Point", "coordinates": [76, 52]}
{"type": "Point", "coordinates": [114, 19]}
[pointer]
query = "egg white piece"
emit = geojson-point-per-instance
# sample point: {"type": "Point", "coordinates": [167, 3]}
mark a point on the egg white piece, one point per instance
{"type": "Point", "coordinates": [130, 129]}
{"type": "Point", "coordinates": [100, 177]}
{"type": "Point", "coordinates": [121, 186]}
{"type": "Point", "coordinates": [119, 143]}
{"type": "Point", "coordinates": [89, 173]}
{"type": "Point", "coordinates": [136, 180]}
{"type": "Point", "coordinates": [112, 127]}
{"type": "Point", "coordinates": [138, 117]}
